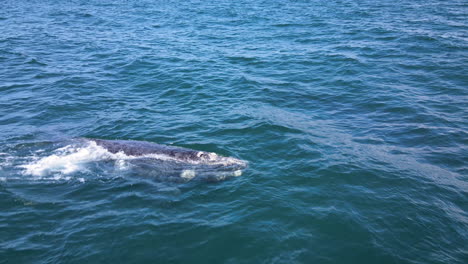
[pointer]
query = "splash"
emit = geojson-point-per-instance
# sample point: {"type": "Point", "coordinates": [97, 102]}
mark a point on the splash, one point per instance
{"type": "Point", "coordinates": [68, 159]}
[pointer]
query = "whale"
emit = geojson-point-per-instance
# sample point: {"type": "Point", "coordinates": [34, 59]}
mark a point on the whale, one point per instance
{"type": "Point", "coordinates": [173, 162]}
{"type": "Point", "coordinates": [179, 154]}
{"type": "Point", "coordinates": [131, 157]}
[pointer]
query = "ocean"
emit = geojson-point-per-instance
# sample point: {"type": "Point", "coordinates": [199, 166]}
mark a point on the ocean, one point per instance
{"type": "Point", "coordinates": [351, 115]}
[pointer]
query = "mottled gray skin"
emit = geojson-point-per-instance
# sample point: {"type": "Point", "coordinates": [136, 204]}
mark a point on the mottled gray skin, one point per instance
{"type": "Point", "coordinates": [183, 164]}
{"type": "Point", "coordinates": [140, 148]}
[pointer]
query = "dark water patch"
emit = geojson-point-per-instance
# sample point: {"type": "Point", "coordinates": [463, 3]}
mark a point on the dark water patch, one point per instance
{"type": "Point", "coordinates": [36, 62]}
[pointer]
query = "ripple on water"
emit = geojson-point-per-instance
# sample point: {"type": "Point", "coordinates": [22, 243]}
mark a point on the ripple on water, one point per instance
{"type": "Point", "coordinates": [351, 115]}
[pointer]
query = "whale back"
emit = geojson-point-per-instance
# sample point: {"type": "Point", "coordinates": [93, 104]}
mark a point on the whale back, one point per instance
{"type": "Point", "coordinates": [140, 148]}
{"type": "Point", "coordinates": [148, 149]}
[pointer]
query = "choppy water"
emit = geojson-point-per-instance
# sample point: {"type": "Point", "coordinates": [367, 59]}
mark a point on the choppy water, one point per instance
{"type": "Point", "coordinates": [351, 114]}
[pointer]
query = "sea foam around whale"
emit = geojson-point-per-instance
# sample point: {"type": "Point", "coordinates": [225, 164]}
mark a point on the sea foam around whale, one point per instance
{"type": "Point", "coordinates": [77, 157]}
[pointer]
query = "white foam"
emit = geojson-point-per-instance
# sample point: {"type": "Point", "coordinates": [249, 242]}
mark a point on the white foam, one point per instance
{"type": "Point", "coordinates": [122, 164]}
{"type": "Point", "coordinates": [188, 174]}
{"type": "Point", "coordinates": [67, 160]}
{"type": "Point", "coordinates": [5, 161]}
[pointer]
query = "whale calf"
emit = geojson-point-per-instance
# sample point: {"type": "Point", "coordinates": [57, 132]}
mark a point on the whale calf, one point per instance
{"type": "Point", "coordinates": [130, 157]}
{"type": "Point", "coordinates": [175, 162]}
{"type": "Point", "coordinates": [148, 149]}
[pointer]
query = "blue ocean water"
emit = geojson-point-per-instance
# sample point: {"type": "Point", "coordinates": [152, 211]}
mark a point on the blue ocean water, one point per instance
{"type": "Point", "coordinates": [352, 116]}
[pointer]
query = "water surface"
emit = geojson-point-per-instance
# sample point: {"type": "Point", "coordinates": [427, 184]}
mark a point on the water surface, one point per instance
{"type": "Point", "coordinates": [351, 114]}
